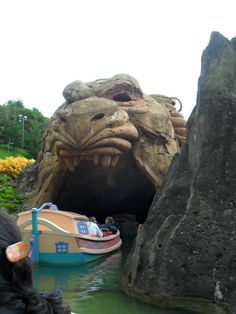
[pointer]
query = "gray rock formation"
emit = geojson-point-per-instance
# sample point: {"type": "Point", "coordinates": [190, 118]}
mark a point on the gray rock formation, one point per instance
{"type": "Point", "coordinates": [185, 252]}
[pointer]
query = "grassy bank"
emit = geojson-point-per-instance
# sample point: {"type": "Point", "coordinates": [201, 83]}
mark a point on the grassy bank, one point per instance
{"type": "Point", "coordinates": [6, 151]}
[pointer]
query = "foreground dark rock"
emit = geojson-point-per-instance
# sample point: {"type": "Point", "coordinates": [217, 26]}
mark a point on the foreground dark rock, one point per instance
{"type": "Point", "coordinates": [185, 252]}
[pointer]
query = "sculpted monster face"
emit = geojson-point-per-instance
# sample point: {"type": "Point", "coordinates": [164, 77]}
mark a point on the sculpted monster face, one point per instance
{"type": "Point", "coordinates": [107, 148]}
{"type": "Point", "coordinates": [93, 129]}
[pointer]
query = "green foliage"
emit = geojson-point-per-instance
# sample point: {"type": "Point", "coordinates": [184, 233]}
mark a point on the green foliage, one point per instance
{"type": "Point", "coordinates": [9, 199]}
{"type": "Point", "coordinates": [7, 151]}
{"type": "Point", "coordinates": [14, 133]}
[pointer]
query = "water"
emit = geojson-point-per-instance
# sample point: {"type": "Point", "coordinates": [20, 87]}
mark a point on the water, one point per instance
{"type": "Point", "coordinates": [94, 288]}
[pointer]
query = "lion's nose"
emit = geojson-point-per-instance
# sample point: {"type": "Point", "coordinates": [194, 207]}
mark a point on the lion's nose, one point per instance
{"type": "Point", "coordinates": [118, 118]}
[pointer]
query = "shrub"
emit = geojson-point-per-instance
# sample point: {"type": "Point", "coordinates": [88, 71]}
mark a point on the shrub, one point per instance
{"type": "Point", "coordinates": [9, 199]}
{"type": "Point", "coordinates": [12, 166]}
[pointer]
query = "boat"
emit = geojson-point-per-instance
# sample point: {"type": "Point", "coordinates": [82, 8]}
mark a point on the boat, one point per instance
{"type": "Point", "coordinates": [61, 237]}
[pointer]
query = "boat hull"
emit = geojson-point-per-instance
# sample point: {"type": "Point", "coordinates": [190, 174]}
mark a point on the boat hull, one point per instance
{"type": "Point", "coordinates": [68, 258]}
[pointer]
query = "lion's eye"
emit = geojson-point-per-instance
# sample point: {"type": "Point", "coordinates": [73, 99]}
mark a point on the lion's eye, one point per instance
{"type": "Point", "coordinates": [122, 98]}
{"type": "Point", "coordinates": [97, 117]}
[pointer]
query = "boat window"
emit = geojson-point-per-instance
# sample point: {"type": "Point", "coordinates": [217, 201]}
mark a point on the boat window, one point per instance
{"type": "Point", "coordinates": [82, 227]}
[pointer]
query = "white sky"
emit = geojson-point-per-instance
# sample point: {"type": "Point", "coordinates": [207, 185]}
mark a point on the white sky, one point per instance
{"type": "Point", "coordinates": [47, 44]}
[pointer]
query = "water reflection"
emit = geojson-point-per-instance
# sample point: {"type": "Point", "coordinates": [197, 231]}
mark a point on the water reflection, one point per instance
{"type": "Point", "coordinates": [94, 287]}
{"type": "Point", "coordinates": [82, 280]}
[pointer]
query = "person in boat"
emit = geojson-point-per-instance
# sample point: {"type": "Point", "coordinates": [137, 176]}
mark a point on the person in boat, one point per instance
{"type": "Point", "coordinates": [93, 228]}
{"type": "Point", "coordinates": [109, 225]}
{"type": "Point", "coordinates": [51, 206]}
{"type": "Point", "coordinates": [17, 294]}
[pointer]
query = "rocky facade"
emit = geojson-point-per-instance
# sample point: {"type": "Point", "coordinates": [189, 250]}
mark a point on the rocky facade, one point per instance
{"type": "Point", "coordinates": [185, 252]}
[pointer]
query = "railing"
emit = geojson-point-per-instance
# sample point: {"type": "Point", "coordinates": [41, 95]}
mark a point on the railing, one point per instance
{"type": "Point", "coordinates": [34, 251]}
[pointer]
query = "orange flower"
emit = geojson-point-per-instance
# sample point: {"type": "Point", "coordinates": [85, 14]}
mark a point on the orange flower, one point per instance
{"type": "Point", "coordinates": [14, 165]}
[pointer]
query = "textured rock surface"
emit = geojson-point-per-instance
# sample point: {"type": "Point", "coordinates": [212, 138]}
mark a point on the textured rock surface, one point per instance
{"type": "Point", "coordinates": [187, 246]}
{"type": "Point", "coordinates": [107, 147]}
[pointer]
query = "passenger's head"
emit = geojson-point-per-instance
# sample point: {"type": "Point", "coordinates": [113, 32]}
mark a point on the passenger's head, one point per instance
{"type": "Point", "coordinates": [93, 219]}
{"type": "Point", "coordinates": [109, 220]}
{"type": "Point", "coordinates": [16, 285]}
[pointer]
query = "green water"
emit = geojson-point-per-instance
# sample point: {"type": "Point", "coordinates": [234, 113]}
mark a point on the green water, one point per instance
{"type": "Point", "coordinates": [94, 288]}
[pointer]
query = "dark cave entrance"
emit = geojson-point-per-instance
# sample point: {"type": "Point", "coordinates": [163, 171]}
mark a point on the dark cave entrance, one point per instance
{"type": "Point", "coordinates": [114, 191]}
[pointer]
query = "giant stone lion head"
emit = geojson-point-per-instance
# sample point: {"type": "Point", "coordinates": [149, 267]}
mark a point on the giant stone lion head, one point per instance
{"type": "Point", "coordinates": [107, 148]}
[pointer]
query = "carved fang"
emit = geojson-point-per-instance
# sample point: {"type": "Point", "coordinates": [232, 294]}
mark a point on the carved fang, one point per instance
{"type": "Point", "coordinates": [115, 160]}
{"type": "Point", "coordinates": [96, 158]}
{"type": "Point", "coordinates": [105, 161]}
{"type": "Point", "coordinates": [70, 165]}
{"type": "Point", "coordinates": [76, 161]}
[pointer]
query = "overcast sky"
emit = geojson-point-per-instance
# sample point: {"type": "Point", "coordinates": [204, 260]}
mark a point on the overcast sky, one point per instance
{"type": "Point", "coordinates": [47, 44]}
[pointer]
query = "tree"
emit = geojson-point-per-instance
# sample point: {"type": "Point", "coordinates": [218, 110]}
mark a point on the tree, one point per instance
{"type": "Point", "coordinates": [11, 127]}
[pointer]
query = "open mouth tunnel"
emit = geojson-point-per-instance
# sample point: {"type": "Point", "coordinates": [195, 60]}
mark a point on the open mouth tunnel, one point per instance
{"type": "Point", "coordinates": [114, 191]}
